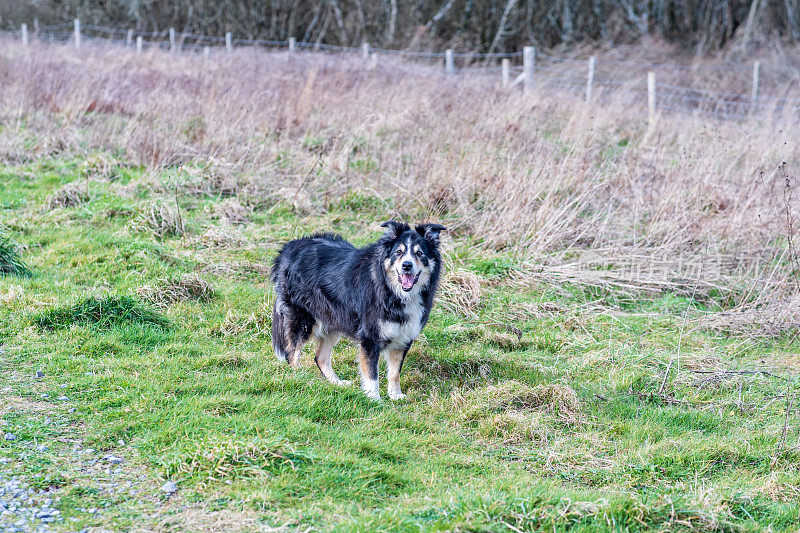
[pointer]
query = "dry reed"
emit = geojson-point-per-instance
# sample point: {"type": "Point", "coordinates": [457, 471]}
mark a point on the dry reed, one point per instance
{"type": "Point", "coordinates": [692, 204]}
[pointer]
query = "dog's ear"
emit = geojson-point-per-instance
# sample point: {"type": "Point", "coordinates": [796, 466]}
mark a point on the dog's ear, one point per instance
{"type": "Point", "coordinates": [394, 228]}
{"type": "Point", "coordinates": [430, 232]}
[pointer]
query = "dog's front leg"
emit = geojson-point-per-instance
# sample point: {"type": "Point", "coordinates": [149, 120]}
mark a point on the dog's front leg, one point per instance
{"type": "Point", "coordinates": [394, 364]}
{"type": "Point", "coordinates": [368, 357]}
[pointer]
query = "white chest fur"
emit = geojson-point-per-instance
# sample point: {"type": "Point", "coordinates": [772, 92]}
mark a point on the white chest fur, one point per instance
{"type": "Point", "coordinates": [399, 334]}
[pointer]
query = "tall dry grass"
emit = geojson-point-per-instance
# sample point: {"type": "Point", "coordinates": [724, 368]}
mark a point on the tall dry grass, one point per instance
{"type": "Point", "coordinates": [578, 193]}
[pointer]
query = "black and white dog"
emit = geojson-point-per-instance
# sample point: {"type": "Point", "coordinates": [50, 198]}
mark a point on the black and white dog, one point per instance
{"type": "Point", "coordinates": [380, 296]}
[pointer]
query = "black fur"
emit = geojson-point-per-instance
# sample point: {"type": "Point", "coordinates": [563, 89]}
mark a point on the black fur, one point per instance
{"type": "Point", "coordinates": [324, 281]}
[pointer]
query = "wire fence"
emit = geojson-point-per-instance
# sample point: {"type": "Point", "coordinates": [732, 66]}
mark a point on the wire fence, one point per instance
{"type": "Point", "coordinates": [680, 88]}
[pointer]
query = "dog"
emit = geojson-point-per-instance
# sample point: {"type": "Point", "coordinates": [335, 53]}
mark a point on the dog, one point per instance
{"type": "Point", "coordinates": [380, 296]}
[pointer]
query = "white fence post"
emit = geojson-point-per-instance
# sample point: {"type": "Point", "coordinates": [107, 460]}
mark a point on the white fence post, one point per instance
{"type": "Point", "coordinates": [756, 80]}
{"type": "Point", "coordinates": [24, 30]}
{"type": "Point", "coordinates": [172, 40]}
{"type": "Point", "coordinates": [651, 97]}
{"type": "Point", "coordinates": [449, 65]}
{"type": "Point", "coordinates": [528, 66]}
{"type": "Point", "coordinates": [77, 34]}
{"type": "Point", "coordinates": [365, 50]}
{"type": "Point", "coordinates": [36, 28]}
{"type": "Point", "coordinates": [228, 42]}
{"type": "Point", "coordinates": [373, 60]}
{"type": "Point", "coordinates": [138, 45]}
{"type": "Point", "coordinates": [590, 78]}
{"type": "Point", "coordinates": [129, 39]}
{"type": "Point", "coordinates": [206, 52]}
{"type": "Point", "coordinates": [505, 71]}
{"type": "Point", "coordinates": [292, 44]}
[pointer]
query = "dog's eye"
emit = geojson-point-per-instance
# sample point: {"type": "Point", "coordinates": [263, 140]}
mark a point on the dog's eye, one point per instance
{"type": "Point", "coordinates": [419, 253]}
{"type": "Point", "coordinates": [399, 252]}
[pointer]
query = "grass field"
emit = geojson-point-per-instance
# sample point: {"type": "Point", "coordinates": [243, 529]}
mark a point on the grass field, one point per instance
{"type": "Point", "coordinates": [579, 370]}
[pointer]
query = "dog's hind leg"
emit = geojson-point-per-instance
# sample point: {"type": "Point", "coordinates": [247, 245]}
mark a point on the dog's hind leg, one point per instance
{"type": "Point", "coordinates": [368, 357]}
{"type": "Point", "coordinates": [324, 359]}
{"type": "Point", "coordinates": [300, 328]}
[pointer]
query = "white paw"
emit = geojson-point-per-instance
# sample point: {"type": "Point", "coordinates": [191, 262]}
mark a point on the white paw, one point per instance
{"type": "Point", "coordinates": [370, 388]}
{"type": "Point", "coordinates": [343, 382]}
{"type": "Point", "coordinates": [374, 396]}
{"type": "Point", "coordinates": [396, 395]}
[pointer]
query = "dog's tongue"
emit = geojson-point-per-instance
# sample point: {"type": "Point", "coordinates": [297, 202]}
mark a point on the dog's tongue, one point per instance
{"type": "Point", "coordinates": [407, 280]}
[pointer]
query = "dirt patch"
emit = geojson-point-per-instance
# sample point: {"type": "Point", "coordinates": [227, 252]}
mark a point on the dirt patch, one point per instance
{"type": "Point", "coordinates": [196, 518]}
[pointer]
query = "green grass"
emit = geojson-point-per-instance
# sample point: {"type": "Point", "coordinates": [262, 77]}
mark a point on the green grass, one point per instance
{"type": "Point", "coordinates": [588, 421]}
{"type": "Point", "coordinates": [102, 312]}
{"type": "Point", "coordinates": [10, 261]}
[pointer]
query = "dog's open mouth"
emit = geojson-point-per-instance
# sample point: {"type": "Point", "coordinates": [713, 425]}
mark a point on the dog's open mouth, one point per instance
{"type": "Point", "coordinates": [407, 281]}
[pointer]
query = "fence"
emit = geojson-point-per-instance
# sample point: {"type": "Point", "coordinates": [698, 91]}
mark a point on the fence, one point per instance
{"type": "Point", "coordinates": [527, 69]}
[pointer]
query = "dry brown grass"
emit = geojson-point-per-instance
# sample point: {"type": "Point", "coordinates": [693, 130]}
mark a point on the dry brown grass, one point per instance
{"type": "Point", "coordinates": [557, 400]}
{"type": "Point", "coordinates": [691, 205]}
{"type": "Point", "coordinates": [257, 323]}
{"type": "Point", "coordinates": [460, 292]}
{"type": "Point", "coordinates": [771, 315]}
{"type": "Point", "coordinates": [173, 290]}
{"type": "Point", "coordinates": [162, 219]}
{"type": "Point", "coordinates": [230, 211]}
{"type": "Point", "coordinates": [69, 195]}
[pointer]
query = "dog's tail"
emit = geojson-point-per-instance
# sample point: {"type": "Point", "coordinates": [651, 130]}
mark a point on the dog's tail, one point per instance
{"type": "Point", "coordinates": [280, 322]}
{"type": "Point", "coordinates": [279, 331]}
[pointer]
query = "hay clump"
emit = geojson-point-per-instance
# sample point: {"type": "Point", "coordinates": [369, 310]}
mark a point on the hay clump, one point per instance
{"type": "Point", "coordinates": [236, 324]}
{"type": "Point", "coordinates": [556, 399]}
{"type": "Point", "coordinates": [460, 292]}
{"type": "Point", "coordinates": [170, 291]}
{"type": "Point", "coordinates": [69, 195]}
{"type": "Point", "coordinates": [516, 427]}
{"type": "Point", "coordinates": [230, 211]}
{"type": "Point", "coordinates": [515, 340]}
{"type": "Point", "coordinates": [218, 238]}
{"type": "Point", "coordinates": [160, 219]}
{"type": "Point", "coordinates": [101, 166]}
{"type": "Point", "coordinates": [296, 197]}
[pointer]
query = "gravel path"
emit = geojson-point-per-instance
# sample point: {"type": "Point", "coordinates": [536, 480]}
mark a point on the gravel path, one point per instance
{"type": "Point", "coordinates": [31, 467]}
{"type": "Point", "coordinates": [24, 509]}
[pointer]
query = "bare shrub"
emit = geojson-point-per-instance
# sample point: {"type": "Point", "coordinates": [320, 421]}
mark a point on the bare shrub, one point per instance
{"type": "Point", "coordinates": [170, 291]}
{"type": "Point", "coordinates": [69, 195]}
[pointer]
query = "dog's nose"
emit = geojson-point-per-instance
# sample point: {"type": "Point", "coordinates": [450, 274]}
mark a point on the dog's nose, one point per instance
{"type": "Point", "coordinates": [408, 265]}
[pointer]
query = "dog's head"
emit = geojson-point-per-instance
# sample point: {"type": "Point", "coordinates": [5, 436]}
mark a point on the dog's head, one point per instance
{"type": "Point", "coordinates": [410, 256]}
